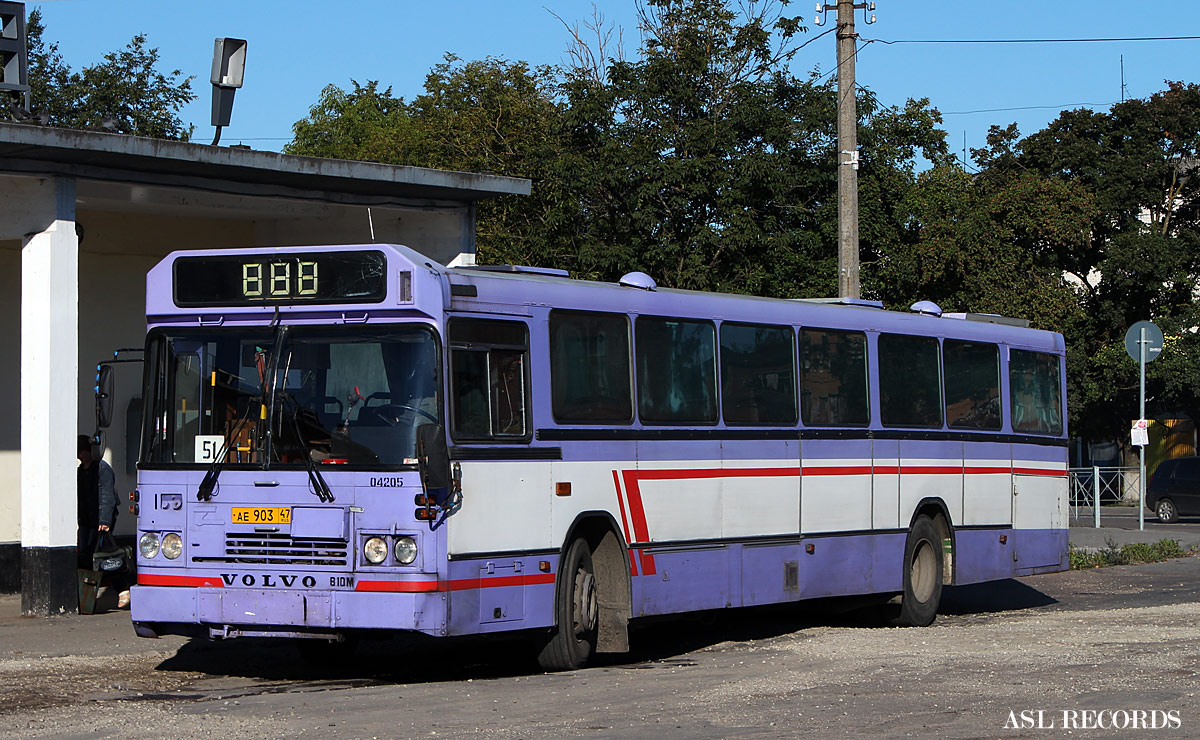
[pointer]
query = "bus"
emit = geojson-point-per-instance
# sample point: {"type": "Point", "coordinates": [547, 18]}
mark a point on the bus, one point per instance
{"type": "Point", "coordinates": [349, 441]}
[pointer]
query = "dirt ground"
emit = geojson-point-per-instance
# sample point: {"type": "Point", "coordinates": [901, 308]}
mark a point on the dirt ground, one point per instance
{"type": "Point", "coordinates": [1123, 639]}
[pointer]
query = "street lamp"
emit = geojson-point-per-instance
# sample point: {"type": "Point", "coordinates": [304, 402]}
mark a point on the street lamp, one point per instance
{"type": "Point", "coordinates": [228, 69]}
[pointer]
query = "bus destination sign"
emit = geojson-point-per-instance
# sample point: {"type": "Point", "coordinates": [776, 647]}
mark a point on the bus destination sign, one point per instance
{"type": "Point", "coordinates": [271, 279]}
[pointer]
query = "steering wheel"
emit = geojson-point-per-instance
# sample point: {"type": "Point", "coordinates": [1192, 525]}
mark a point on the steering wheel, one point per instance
{"type": "Point", "coordinates": [392, 413]}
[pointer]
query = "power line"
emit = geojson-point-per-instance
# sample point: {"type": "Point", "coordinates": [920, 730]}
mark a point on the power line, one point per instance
{"type": "Point", "coordinates": [838, 66]}
{"type": "Point", "coordinates": [1034, 41]}
{"type": "Point", "coordinates": [830, 30]}
{"type": "Point", "coordinates": [1022, 107]}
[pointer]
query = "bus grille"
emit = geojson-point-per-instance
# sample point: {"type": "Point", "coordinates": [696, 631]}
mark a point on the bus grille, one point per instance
{"type": "Point", "coordinates": [280, 549]}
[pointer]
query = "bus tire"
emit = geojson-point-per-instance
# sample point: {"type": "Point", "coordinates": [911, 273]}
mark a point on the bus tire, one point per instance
{"type": "Point", "coordinates": [923, 568]}
{"type": "Point", "coordinates": [573, 640]}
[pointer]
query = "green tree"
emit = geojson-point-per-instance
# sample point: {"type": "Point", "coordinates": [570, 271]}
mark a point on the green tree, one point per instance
{"type": "Point", "coordinates": [708, 164]}
{"type": "Point", "coordinates": [364, 123]}
{"type": "Point", "coordinates": [49, 76]}
{"type": "Point", "coordinates": [703, 161]}
{"type": "Point", "coordinates": [125, 93]}
{"type": "Point", "coordinates": [490, 115]}
{"type": "Point", "coordinates": [1141, 258]}
{"type": "Point", "coordinates": [986, 246]}
{"type": "Point", "coordinates": [683, 152]}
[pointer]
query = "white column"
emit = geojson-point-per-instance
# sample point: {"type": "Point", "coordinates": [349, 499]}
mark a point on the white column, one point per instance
{"type": "Point", "coordinates": [49, 404]}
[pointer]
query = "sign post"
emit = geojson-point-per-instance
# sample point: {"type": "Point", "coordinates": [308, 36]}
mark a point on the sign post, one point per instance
{"type": "Point", "coordinates": [1144, 343]}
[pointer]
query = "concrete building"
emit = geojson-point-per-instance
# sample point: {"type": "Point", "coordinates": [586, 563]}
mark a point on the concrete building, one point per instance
{"type": "Point", "coordinates": [83, 216]}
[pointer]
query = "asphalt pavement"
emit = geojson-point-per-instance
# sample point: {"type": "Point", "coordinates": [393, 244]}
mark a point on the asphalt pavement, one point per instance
{"type": "Point", "coordinates": [1102, 642]}
{"type": "Point", "coordinates": [1124, 636]}
{"type": "Point", "coordinates": [1119, 526]}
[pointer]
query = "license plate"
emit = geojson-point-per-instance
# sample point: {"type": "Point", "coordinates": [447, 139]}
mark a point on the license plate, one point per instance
{"type": "Point", "coordinates": [262, 515]}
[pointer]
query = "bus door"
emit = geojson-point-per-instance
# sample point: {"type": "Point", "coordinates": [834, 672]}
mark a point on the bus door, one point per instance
{"type": "Point", "coordinates": [1039, 511]}
{"type": "Point", "coordinates": [505, 494]}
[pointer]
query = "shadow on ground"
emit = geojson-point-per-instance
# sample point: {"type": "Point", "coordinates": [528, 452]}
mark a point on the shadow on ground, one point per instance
{"type": "Point", "coordinates": [992, 597]}
{"type": "Point", "coordinates": [409, 658]}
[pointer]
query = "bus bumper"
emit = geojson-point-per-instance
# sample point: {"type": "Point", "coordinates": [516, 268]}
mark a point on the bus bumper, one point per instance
{"type": "Point", "coordinates": [220, 612]}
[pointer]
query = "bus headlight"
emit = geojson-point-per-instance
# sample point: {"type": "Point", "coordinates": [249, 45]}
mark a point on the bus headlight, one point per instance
{"type": "Point", "coordinates": [406, 550]}
{"type": "Point", "coordinates": [375, 550]}
{"type": "Point", "coordinates": [172, 546]}
{"type": "Point", "coordinates": [148, 545]}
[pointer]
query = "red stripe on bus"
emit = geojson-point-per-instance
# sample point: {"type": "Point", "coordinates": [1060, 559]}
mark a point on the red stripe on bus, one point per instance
{"type": "Point", "coordinates": [624, 522]}
{"type": "Point", "coordinates": [157, 579]}
{"type": "Point", "coordinates": [637, 509]}
{"type": "Point", "coordinates": [466, 584]}
{"type": "Point", "coordinates": [711, 473]}
{"type": "Point", "coordinates": [637, 512]}
{"type": "Point", "coordinates": [403, 587]}
{"type": "Point", "coordinates": [988, 471]}
{"type": "Point", "coordinates": [461, 584]}
{"type": "Point", "coordinates": [931, 470]}
{"type": "Point", "coordinates": [839, 470]}
{"type": "Point", "coordinates": [1051, 472]}
{"type": "Point", "coordinates": [702, 473]}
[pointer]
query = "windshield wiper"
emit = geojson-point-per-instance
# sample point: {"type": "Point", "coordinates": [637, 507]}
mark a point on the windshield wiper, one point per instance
{"type": "Point", "coordinates": [317, 484]}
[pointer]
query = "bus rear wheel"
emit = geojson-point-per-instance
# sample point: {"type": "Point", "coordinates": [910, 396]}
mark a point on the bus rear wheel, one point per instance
{"type": "Point", "coordinates": [573, 640]}
{"type": "Point", "coordinates": [923, 568]}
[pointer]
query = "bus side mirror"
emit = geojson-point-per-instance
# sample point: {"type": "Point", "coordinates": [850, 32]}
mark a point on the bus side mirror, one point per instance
{"type": "Point", "coordinates": [433, 459]}
{"type": "Point", "coordinates": [104, 395]}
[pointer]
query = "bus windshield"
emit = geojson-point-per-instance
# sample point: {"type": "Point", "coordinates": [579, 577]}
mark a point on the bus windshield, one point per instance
{"type": "Point", "coordinates": [337, 398]}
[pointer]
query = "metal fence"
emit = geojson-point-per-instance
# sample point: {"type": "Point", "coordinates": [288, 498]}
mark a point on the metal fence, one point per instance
{"type": "Point", "coordinates": [1088, 486]}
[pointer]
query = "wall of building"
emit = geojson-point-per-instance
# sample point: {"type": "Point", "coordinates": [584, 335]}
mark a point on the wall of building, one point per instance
{"type": "Point", "coordinates": [440, 233]}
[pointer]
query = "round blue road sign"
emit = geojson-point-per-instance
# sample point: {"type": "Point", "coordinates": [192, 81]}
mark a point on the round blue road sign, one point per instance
{"type": "Point", "coordinates": [1153, 338]}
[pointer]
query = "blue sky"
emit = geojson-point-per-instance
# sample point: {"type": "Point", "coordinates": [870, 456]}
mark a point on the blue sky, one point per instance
{"type": "Point", "coordinates": [298, 47]}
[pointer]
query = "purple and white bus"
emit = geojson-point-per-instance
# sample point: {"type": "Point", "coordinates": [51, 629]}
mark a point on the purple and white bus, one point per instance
{"type": "Point", "coordinates": [353, 439]}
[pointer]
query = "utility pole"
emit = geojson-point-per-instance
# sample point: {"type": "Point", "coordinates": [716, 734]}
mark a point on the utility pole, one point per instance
{"type": "Point", "coordinates": [847, 130]}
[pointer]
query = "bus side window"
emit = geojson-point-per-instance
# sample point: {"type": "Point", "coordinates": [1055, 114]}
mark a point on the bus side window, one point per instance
{"type": "Point", "coordinates": [972, 378]}
{"type": "Point", "coordinates": [910, 383]}
{"type": "Point", "coordinates": [1036, 392]}
{"type": "Point", "coordinates": [833, 378]}
{"type": "Point", "coordinates": [590, 375]}
{"type": "Point", "coordinates": [758, 374]}
{"type": "Point", "coordinates": [489, 379]}
{"type": "Point", "coordinates": [676, 370]}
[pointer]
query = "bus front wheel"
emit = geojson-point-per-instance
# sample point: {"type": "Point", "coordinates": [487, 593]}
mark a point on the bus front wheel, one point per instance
{"type": "Point", "coordinates": [923, 566]}
{"type": "Point", "coordinates": [573, 640]}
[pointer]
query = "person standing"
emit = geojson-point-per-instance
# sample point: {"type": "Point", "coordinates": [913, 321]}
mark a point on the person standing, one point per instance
{"type": "Point", "coordinates": [96, 507]}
